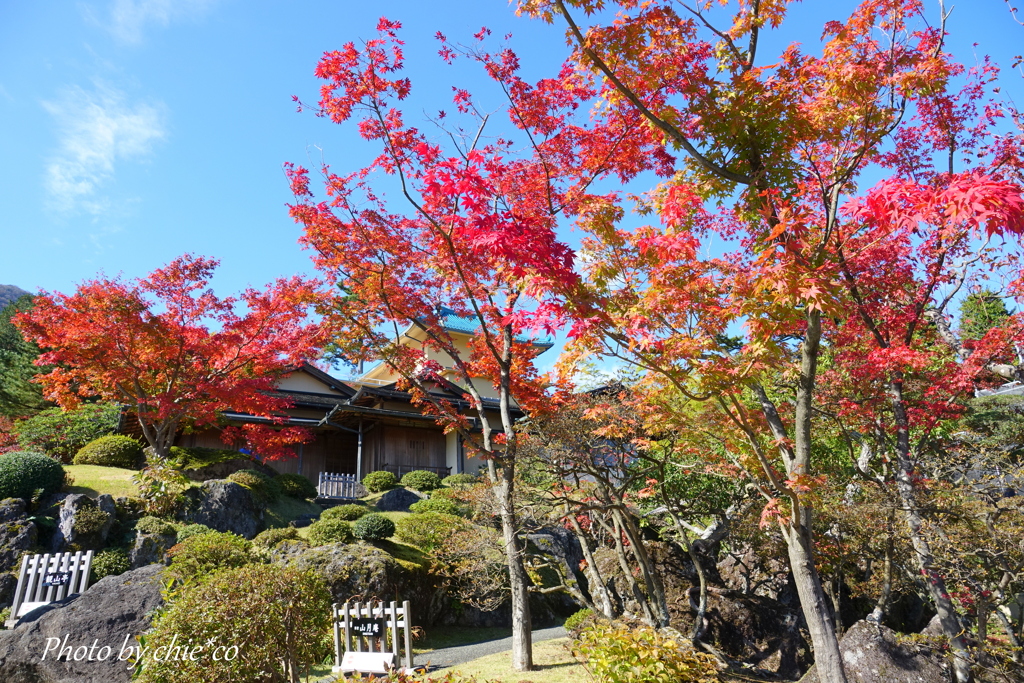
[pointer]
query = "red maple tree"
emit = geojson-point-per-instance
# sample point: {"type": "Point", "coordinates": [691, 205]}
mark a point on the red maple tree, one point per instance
{"type": "Point", "coordinates": [174, 353]}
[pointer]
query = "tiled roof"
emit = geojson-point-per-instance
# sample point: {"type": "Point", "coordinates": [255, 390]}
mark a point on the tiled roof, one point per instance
{"type": "Point", "coordinates": [467, 325]}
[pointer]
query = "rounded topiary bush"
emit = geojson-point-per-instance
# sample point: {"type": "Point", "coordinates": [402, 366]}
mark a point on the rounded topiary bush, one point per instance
{"type": "Point", "coordinates": [198, 556]}
{"type": "Point", "coordinates": [375, 482]}
{"type": "Point", "coordinates": [324, 531]}
{"type": "Point", "coordinates": [23, 473]}
{"type": "Point", "coordinates": [114, 450]}
{"type": "Point", "coordinates": [296, 486]}
{"type": "Point", "coordinates": [463, 479]}
{"type": "Point", "coordinates": [373, 527]}
{"type": "Point", "coordinates": [271, 537]}
{"type": "Point", "coordinates": [190, 530]}
{"type": "Point", "coordinates": [349, 512]}
{"type": "Point", "coordinates": [421, 480]}
{"type": "Point", "coordinates": [273, 621]}
{"type": "Point", "coordinates": [265, 489]}
{"type": "Point", "coordinates": [154, 525]}
{"type": "Point", "coordinates": [444, 505]}
{"type": "Point", "coordinates": [429, 530]}
{"type": "Point", "coordinates": [110, 562]}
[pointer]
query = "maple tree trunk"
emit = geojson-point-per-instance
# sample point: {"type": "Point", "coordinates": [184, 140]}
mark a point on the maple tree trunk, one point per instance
{"type": "Point", "coordinates": [519, 581]}
{"type": "Point", "coordinates": [936, 584]}
{"type": "Point", "coordinates": [799, 541]}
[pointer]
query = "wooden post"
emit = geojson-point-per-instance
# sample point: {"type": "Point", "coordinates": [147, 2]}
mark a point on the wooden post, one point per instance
{"type": "Point", "coordinates": [406, 616]}
{"type": "Point", "coordinates": [337, 634]}
{"type": "Point", "coordinates": [359, 453]}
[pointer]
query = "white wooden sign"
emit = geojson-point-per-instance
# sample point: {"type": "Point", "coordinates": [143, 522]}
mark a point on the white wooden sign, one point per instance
{"type": "Point", "coordinates": [367, 662]}
{"type": "Point", "coordinates": [372, 637]}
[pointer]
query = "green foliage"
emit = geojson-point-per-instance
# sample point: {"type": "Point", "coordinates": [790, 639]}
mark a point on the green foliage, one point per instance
{"type": "Point", "coordinates": [980, 312]}
{"type": "Point", "coordinates": [89, 522]}
{"type": "Point", "coordinates": [462, 479]}
{"type": "Point", "coordinates": [60, 433]}
{"type": "Point", "coordinates": [23, 474]}
{"type": "Point", "coordinates": [265, 489]}
{"type": "Point", "coordinates": [197, 457]}
{"type": "Point", "coordinates": [277, 617]}
{"type": "Point", "coordinates": [349, 512]}
{"type": "Point", "coordinates": [324, 531]}
{"type": "Point", "coordinates": [421, 480]}
{"type": "Point", "coordinates": [443, 505]}
{"type": "Point", "coordinates": [577, 620]}
{"type": "Point", "coordinates": [190, 530]}
{"type": "Point", "coordinates": [296, 486]}
{"type": "Point", "coordinates": [429, 530]}
{"type": "Point", "coordinates": [154, 525]}
{"type": "Point", "coordinates": [373, 527]}
{"type": "Point", "coordinates": [200, 555]}
{"type": "Point", "coordinates": [271, 537]}
{"type": "Point", "coordinates": [19, 395]}
{"type": "Point", "coordinates": [375, 482]}
{"type": "Point", "coordinates": [615, 653]}
{"type": "Point", "coordinates": [109, 562]}
{"type": "Point", "coordinates": [161, 488]}
{"type": "Point", "coordinates": [113, 450]}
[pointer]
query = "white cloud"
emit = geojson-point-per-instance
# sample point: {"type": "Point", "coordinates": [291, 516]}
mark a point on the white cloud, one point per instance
{"type": "Point", "coordinates": [129, 18]}
{"type": "Point", "coordinates": [97, 129]}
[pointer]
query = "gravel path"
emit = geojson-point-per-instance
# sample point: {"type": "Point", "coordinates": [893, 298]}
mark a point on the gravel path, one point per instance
{"type": "Point", "coordinates": [450, 656]}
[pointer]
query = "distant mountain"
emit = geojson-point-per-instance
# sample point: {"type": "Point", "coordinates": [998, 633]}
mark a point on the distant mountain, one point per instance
{"type": "Point", "coordinates": [9, 293]}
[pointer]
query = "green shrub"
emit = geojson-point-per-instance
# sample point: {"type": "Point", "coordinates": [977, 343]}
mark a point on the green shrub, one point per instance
{"type": "Point", "coordinates": [421, 480]}
{"type": "Point", "coordinates": [296, 486]}
{"type": "Point", "coordinates": [110, 562]}
{"type": "Point", "coordinates": [113, 450]}
{"type": "Point", "coordinates": [463, 479]}
{"type": "Point", "coordinates": [443, 505]}
{"type": "Point", "coordinates": [614, 653]}
{"type": "Point", "coordinates": [375, 482]}
{"type": "Point", "coordinates": [576, 622]}
{"type": "Point", "coordinates": [197, 457]}
{"type": "Point", "coordinates": [373, 527]}
{"type": "Point", "coordinates": [350, 512]}
{"type": "Point", "coordinates": [265, 489]}
{"type": "Point", "coordinates": [89, 522]}
{"type": "Point", "coordinates": [429, 530]}
{"type": "Point", "coordinates": [154, 525]}
{"type": "Point", "coordinates": [60, 433]}
{"type": "Point", "coordinates": [200, 555]}
{"type": "Point", "coordinates": [326, 531]}
{"type": "Point", "coordinates": [271, 537]}
{"type": "Point", "coordinates": [190, 530]}
{"type": "Point", "coordinates": [23, 473]}
{"type": "Point", "coordinates": [278, 618]}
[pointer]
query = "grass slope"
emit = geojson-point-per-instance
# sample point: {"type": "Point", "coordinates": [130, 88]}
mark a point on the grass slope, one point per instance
{"type": "Point", "coordinates": [93, 480]}
{"type": "Point", "coordinates": [554, 664]}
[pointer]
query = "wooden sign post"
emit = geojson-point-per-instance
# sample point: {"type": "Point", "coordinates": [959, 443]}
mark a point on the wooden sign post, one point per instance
{"type": "Point", "coordinates": [367, 637]}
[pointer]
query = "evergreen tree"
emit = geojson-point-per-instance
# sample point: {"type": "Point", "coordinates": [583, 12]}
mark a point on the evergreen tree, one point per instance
{"type": "Point", "coordinates": [980, 312]}
{"type": "Point", "coordinates": [19, 396]}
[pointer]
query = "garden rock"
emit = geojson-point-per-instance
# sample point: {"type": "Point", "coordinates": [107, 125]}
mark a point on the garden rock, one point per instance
{"type": "Point", "coordinates": [398, 500]}
{"type": "Point", "coordinates": [110, 610]}
{"type": "Point", "coordinates": [150, 549]}
{"type": "Point", "coordinates": [17, 533]}
{"type": "Point", "coordinates": [222, 470]}
{"type": "Point", "coordinates": [348, 570]}
{"type": "Point", "coordinates": [876, 654]}
{"type": "Point", "coordinates": [68, 532]}
{"type": "Point", "coordinates": [225, 506]}
{"type": "Point", "coordinates": [7, 584]}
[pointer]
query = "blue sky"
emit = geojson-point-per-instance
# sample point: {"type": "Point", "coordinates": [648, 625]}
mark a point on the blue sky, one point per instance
{"type": "Point", "coordinates": [136, 130]}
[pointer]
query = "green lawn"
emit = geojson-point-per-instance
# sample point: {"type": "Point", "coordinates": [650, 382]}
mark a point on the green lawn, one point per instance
{"type": "Point", "coordinates": [552, 659]}
{"type": "Point", "coordinates": [93, 480]}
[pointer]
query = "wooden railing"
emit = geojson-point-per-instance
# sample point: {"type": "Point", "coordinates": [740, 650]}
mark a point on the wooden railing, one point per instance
{"type": "Point", "coordinates": [48, 578]}
{"type": "Point", "coordinates": [344, 486]}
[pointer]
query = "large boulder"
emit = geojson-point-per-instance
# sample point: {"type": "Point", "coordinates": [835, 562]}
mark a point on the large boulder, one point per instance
{"type": "Point", "coordinates": [224, 506]}
{"type": "Point", "coordinates": [17, 533]}
{"type": "Point", "coordinates": [8, 582]}
{"type": "Point", "coordinates": [349, 570]}
{"type": "Point", "coordinates": [116, 608]}
{"type": "Point", "coordinates": [398, 500]}
{"type": "Point", "coordinates": [150, 549]}
{"type": "Point", "coordinates": [876, 654]}
{"type": "Point", "coordinates": [84, 523]}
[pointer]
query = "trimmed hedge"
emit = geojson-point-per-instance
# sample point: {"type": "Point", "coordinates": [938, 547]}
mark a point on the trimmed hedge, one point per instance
{"type": "Point", "coordinates": [463, 479]}
{"type": "Point", "coordinates": [324, 531]}
{"type": "Point", "coordinates": [375, 482]}
{"type": "Point", "coordinates": [373, 527]}
{"type": "Point", "coordinates": [114, 450]}
{"type": "Point", "coordinates": [198, 556]}
{"type": "Point", "coordinates": [190, 530]}
{"type": "Point", "coordinates": [443, 505]}
{"type": "Point", "coordinates": [296, 486]}
{"type": "Point", "coordinates": [349, 512]}
{"type": "Point", "coordinates": [197, 457]}
{"type": "Point", "coordinates": [110, 562]}
{"type": "Point", "coordinates": [271, 537]}
{"type": "Point", "coordinates": [429, 530]}
{"type": "Point", "coordinates": [23, 473]}
{"type": "Point", "coordinates": [154, 525]}
{"type": "Point", "coordinates": [421, 480]}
